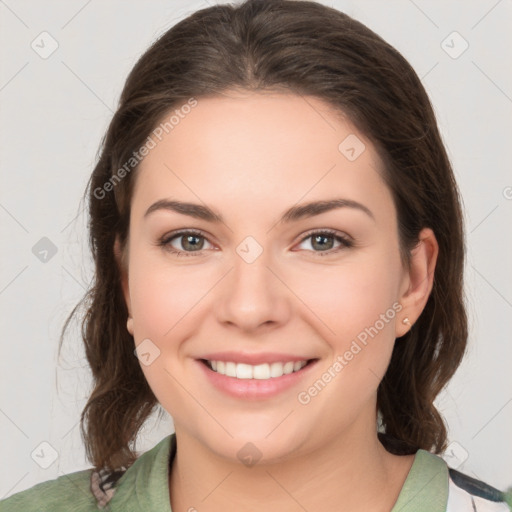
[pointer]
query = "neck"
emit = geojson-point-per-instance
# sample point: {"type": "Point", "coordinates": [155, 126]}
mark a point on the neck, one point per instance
{"type": "Point", "coordinates": [349, 472]}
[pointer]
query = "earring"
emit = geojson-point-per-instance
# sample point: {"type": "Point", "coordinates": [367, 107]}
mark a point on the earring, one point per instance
{"type": "Point", "coordinates": [129, 325]}
{"type": "Point", "coordinates": [406, 321]}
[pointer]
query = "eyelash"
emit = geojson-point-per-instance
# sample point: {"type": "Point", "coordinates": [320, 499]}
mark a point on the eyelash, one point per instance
{"type": "Point", "coordinates": [165, 241]}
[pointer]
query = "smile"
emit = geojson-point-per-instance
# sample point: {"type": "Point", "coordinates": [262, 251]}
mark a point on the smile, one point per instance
{"type": "Point", "coordinates": [261, 371]}
{"type": "Point", "coordinates": [256, 376]}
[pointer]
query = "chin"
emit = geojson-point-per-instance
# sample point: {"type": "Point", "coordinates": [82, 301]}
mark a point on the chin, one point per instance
{"type": "Point", "coordinates": [257, 444]}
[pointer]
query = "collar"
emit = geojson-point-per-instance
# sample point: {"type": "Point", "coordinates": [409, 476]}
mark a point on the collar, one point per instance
{"type": "Point", "coordinates": [426, 487]}
{"type": "Point", "coordinates": [145, 485]}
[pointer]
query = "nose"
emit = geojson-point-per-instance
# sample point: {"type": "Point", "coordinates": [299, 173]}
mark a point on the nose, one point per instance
{"type": "Point", "coordinates": [252, 296]}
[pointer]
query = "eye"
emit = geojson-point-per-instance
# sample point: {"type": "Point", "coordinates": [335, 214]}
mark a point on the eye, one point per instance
{"type": "Point", "coordinates": [324, 241]}
{"type": "Point", "coordinates": [191, 241]}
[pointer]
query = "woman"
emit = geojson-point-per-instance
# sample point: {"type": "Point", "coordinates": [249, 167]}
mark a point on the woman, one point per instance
{"type": "Point", "coordinates": [277, 232]}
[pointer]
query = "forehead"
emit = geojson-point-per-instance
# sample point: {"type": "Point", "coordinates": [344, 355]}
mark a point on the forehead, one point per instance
{"type": "Point", "coordinates": [257, 149]}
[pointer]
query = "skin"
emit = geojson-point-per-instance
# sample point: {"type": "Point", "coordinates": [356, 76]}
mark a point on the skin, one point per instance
{"type": "Point", "coordinates": [249, 157]}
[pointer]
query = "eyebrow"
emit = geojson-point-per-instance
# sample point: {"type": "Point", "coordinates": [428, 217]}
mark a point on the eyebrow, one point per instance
{"type": "Point", "coordinates": [291, 215]}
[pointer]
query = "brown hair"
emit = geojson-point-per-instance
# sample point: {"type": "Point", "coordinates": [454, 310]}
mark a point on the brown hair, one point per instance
{"type": "Point", "coordinates": [304, 48]}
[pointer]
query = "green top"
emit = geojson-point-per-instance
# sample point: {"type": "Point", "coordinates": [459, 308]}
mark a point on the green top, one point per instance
{"type": "Point", "coordinates": [144, 487]}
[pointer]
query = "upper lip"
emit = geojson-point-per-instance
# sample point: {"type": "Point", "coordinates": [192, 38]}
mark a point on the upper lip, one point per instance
{"type": "Point", "coordinates": [254, 359]}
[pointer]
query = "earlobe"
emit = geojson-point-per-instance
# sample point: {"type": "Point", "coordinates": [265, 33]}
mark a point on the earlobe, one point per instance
{"type": "Point", "coordinates": [419, 279]}
{"type": "Point", "coordinates": [129, 325]}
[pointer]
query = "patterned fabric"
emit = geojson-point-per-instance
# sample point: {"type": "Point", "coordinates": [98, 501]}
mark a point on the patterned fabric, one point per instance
{"type": "Point", "coordinates": [430, 486]}
{"type": "Point", "coordinates": [467, 493]}
{"type": "Point", "coordinates": [464, 492]}
{"type": "Point", "coordinates": [103, 485]}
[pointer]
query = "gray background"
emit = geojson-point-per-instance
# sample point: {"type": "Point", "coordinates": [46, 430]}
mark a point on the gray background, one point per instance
{"type": "Point", "coordinates": [54, 112]}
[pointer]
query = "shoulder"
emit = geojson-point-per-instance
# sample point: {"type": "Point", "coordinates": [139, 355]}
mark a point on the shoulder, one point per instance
{"type": "Point", "coordinates": [468, 493]}
{"type": "Point", "coordinates": [69, 493]}
{"type": "Point", "coordinates": [432, 486]}
{"type": "Point", "coordinates": [143, 486]}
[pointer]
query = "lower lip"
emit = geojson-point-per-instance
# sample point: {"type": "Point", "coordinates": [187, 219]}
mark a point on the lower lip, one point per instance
{"type": "Point", "coordinates": [254, 389]}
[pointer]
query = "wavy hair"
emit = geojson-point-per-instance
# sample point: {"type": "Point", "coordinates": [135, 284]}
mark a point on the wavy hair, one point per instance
{"type": "Point", "coordinates": [298, 47]}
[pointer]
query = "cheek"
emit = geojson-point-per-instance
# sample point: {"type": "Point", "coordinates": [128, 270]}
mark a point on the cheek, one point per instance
{"type": "Point", "coordinates": [162, 295]}
{"type": "Point", "coordinates": [350, 297]}
{"type": "Point", "coordinates": [358, 305]}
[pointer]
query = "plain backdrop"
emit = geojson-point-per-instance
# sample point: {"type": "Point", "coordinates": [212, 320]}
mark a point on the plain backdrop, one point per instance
{"type": "Point", "coordinates": [55, 109]}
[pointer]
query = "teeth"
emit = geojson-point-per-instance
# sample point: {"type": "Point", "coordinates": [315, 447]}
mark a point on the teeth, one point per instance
{"type": "Point", "coordinates": [261, 371]}
{"type": "Point", "coordinates": [243, 371]}
{"type": "Point", "coordinates": [288, 368]}
{"type": "Point", "coordinates": [231, 370]}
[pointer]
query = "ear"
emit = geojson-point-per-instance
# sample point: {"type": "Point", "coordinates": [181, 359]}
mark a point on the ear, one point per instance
{"type": "Point", "coordinates": [418, 280]}
{"type": "Point", "coordinates": [123, 270]}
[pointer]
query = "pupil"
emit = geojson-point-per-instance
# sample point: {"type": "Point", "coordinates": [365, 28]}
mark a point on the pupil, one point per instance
{"type": "Point", "coordinates": [322, 237]}
{"type": "Point", "coordinates": [191, 246]}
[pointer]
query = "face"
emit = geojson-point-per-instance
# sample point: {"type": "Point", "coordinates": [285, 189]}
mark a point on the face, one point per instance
{"type": "Point", "coordinates": [224, 292]}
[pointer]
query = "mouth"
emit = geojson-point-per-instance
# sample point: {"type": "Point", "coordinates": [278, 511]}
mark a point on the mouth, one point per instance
{"type": "Point", "coordinates": [255, 376]}
{"type": "Point", "coordinates": [263, 371]}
